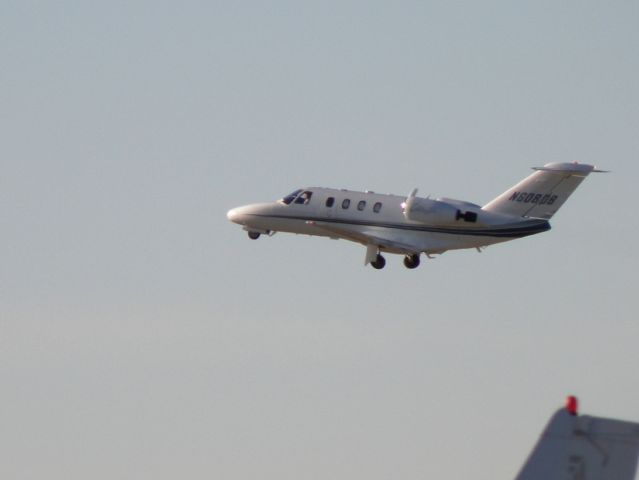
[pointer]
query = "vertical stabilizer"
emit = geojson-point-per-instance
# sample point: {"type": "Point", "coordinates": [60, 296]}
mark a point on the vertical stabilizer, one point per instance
{"type": "Point", "coordinates": [581, 447]}
{"type": "Point", "coordinates": [541, 194]}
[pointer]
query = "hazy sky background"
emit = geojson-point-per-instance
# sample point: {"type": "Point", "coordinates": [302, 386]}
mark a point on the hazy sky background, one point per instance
{"type": "Point", "coordinates": [146, 337]}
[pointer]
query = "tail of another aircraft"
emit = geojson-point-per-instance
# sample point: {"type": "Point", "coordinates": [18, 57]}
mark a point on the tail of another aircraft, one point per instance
{"type": "Point", "coordinates": [579, 447]}
{"type": "Point", "coordinates": [541, 194]}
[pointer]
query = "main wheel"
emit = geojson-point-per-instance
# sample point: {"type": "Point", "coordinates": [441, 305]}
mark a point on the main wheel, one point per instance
{"type": "Point", "coordinates": [254, 235]}
{"type": "Point", "coordinates": [411, 261]}
{"type": "Point", "coordinates": [379, 262]}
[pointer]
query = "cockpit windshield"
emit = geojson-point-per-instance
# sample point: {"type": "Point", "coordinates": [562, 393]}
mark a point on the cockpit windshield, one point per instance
{"type": "Point", "coordinates": [290, 197]}
{"type": "Point", "coordinates": [298, 196]}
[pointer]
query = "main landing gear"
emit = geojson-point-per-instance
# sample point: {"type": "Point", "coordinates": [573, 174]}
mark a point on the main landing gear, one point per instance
{"type": "Point", "coordinates": [379, 262]}
{"type": "Point", "coordinates": [411, 261]}
{"type": "Point", "coordinates": [253, 235]}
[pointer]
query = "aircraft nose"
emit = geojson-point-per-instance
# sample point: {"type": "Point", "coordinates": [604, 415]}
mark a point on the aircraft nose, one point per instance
{"type": "Point", "coordinates": [241, 215]}
{"type": "Point", "coordinates": [234, 215]}
{"type": "Point", "coordinates": [248, 214]}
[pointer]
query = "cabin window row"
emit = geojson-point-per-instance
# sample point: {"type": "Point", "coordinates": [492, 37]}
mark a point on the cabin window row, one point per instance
{"type": "Point", "coordinates": [361, 205]}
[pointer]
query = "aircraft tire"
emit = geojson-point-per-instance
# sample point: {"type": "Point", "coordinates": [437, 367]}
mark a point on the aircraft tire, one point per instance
{"type": "Point", "coordinates": [379, 262]}
{"type": "Point", "coordinates": [253, 235]}
{"type": "Point", "coordinates": [411, 261]}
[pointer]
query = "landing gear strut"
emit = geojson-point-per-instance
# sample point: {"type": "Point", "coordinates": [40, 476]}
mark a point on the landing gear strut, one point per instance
{"type": "Point", "coordinates": [411, 261]}
{"type": "Point", "coordinates": [253, 235]}
{"type": "Point", "coordinates": [379, 262]}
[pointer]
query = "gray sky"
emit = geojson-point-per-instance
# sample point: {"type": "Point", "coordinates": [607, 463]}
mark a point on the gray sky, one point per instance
{"type": "Point", "coordinates": [144, 336]}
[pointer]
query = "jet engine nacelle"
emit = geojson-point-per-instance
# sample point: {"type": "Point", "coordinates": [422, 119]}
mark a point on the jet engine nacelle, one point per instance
{"type": "Point", "coordinates": [436, 212]}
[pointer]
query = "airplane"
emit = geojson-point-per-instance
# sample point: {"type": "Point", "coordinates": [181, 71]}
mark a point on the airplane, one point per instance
{"type": "Point", "coordinates": [582, 447]}
{"type": "Point", "coordinates": [414, 225]}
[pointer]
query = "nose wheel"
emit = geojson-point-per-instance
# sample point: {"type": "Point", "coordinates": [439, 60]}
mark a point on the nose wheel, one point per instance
{"type": "Point", "coordinates": [253, 235]}
{"type": "Point", "coordinates": [379, 262]}
{"type": "Point", "coordinates": [411, 261]}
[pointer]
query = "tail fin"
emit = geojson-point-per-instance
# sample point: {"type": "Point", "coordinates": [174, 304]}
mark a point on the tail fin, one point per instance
{"type": "Point", "coordinates": [541, 194]}
{"type": "Point", "coordinates": [577, 447]}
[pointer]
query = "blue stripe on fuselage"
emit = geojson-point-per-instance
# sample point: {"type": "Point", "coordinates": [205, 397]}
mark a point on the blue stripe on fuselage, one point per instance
{"type": "Point", "coordinates": [506, 232]}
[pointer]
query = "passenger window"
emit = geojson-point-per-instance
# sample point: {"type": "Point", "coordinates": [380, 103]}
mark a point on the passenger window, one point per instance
{"type": "Point", "coordinates": [377, 207]}
{"type": "Point", "coordinates": [330, 201]}
{"type": "Point", "coordinates": [361, 205]}
{"type": "Point", "coordinates": [346, 203]}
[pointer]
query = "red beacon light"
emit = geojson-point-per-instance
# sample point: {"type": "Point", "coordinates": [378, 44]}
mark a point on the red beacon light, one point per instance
{"type": "Point", "coordinates": [571, 404]}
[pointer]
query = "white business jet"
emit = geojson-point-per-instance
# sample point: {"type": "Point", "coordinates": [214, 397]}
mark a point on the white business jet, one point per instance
{"type": "Point", "coordinates": [414, 225]}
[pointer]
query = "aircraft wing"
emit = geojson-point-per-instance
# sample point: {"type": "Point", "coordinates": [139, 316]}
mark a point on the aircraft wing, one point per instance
{"type": "Point", "coordinates": [370, 236]}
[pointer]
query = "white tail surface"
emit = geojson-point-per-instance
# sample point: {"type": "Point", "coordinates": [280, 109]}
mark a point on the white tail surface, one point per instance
{"type": "Point", "coordinates": [541, 194]}
{"type": "Point", "coordinates": [580, 447]}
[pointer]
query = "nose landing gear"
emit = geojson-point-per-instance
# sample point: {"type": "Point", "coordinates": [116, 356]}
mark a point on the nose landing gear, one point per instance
{"type": "Point", "coordinates": [253, 235]}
